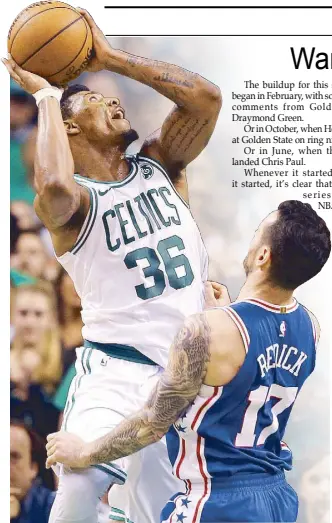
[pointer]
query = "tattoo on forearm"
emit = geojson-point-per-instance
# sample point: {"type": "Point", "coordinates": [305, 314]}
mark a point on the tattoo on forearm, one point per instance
{"type": "Point", "coordinates": [163, 73]}
{"type": "Point", "coordinates": [187, 129]}
{"type": "Point", "coordinates": [163, 67]}
{"type": "Point", "coordinates": [177, 388]}
{"type": "Point", "coordinates": [139, 61]}
{"type": "Point", "coordinates": [181, 133]}
{"type": "Point", "coordinates": [166, 77]}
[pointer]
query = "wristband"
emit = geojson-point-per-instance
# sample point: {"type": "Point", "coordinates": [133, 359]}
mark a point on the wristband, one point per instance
{"type": "Point", "coordinates": [47, 91]}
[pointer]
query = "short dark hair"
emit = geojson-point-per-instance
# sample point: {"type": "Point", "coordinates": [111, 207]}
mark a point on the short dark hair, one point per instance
{"type": "Point", "coordinates": [65, 104]}
{"type": "Point", "coordinates": [36, 442]}
{"type": "Point", "coordinates": [38, 451]}
{"type": "Point", "coordinates": [300, 244]}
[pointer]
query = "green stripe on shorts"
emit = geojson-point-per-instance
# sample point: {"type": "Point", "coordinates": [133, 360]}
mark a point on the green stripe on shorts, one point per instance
{"type": "Point", "coordinates": [116, 474]}
{"type": "Point", "coordinates": [117, 510]}
{"type": "Point", "coordinates": [86, 370]}
{"type": "Point", "coordinates": [119, 515]}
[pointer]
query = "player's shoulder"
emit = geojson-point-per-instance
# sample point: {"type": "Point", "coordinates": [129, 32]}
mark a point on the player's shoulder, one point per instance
{"type": "Point", "coordinates": [151, 149]}
{"type": "Point", "coordinates": [219, 319]}
{"type": "Point", "coordinates": [225, 334]}
{"type": "Point", "coordinates": [215, 320]}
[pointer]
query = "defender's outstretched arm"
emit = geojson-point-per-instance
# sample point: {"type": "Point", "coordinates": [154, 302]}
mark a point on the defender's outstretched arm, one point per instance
{"type": "Point", "coordinates": [208, 348]}
{"type": "Point", "coordinates": [173, 394]}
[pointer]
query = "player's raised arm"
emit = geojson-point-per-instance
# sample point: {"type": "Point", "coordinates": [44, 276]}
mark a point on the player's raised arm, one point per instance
{"type": "Point", "coordinates": [188, 128]}
{"type": "Point", "coordinates": [58, 196]}
{"type": "Point", "coordinates": [208, 348]}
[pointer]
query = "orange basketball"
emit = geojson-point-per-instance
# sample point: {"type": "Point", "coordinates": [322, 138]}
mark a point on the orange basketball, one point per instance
{"type": "Point", "coordinates": [51, 39]}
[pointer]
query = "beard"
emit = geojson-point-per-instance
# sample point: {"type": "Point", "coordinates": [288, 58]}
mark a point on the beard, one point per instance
{"type": "Point", "coordinates": [130, 136]}
{"type": "Point", "coordinates": [246, 265]}
{"type": "Point", "coordinates": [249, 260]}
{"type": "Point", "coordinates": [123, 139]}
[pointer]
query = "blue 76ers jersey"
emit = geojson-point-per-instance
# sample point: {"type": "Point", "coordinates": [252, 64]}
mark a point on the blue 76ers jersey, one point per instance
{"type": "Point", "coordinates": [238, 428]}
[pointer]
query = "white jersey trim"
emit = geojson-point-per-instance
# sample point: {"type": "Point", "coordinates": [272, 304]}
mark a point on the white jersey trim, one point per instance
{"type": "Point", "coordinates": [240, 325]}
{"type": "Point", "coordinates": [278, 309]}
{"type": "Point", "coordinates": [313, 325]}
{"type": "Point", "coordinates": [88, 224]}
{"type": "Point", "coordinates": [132, 173]}
{"type": "Point", "coordinates": [182, 467]}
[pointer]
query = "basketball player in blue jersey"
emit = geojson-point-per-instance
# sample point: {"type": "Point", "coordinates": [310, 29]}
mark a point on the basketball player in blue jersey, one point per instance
{"type": "Point", "coordinates": [232, 378]}
{"type": "Point", "coordinates": [122, 229]}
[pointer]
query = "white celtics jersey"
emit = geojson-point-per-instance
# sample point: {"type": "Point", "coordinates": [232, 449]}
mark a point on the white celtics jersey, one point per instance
{"type": "Point", "coordinates": [139, 262]}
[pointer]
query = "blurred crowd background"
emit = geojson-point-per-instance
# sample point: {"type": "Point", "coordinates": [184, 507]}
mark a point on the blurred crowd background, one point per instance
{"type": "Point", "coordinates": [45, 309]}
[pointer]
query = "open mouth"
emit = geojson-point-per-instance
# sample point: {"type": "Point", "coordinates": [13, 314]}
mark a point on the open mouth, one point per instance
{"type": "Point", "coordinates": [119, 114]}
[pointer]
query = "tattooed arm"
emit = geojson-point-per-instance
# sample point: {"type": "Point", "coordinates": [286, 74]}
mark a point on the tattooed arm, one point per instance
{"type": "Point", "coordinates": [176, 389]}
{"type": "Point", "coordinates": [190, 124]}
{"type": "Point", "coordinates": [188, 128]}
{"type": "Point", "coordinates": [208, 348]}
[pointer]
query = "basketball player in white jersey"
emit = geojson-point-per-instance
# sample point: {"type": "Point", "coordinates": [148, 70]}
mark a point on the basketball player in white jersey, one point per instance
{"type": "Point", "coordinates": [122, 229]}
{"type": "Point", "coordinates": [232, 378]}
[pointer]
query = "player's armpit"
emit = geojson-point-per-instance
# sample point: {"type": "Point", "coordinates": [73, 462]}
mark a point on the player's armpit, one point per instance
{"type": "Point", "coordinates": [151, 149]}
{"type": "Point", "coordinates": [63, 213]}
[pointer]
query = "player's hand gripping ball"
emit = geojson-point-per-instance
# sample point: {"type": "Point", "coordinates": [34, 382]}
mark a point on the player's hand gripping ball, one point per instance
{"type": "Point", "coordinates": [51, 39]}
{"type": "Point", "coordinates": [30, 82]}
{"type": "Point", "coordinates": [102, 50]}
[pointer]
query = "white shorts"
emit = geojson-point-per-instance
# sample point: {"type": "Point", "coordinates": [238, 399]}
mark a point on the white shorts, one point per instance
{"type": "Point", "coordinates": [104, 391]}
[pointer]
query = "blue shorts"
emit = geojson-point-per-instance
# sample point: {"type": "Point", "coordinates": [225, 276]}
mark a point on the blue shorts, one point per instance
{"type": "Point", "coordinates": [259, 498]}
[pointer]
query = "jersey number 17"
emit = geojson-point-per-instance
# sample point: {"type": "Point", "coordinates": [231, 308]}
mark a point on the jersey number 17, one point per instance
{"type": "Point", "coordinates": [254, 430]}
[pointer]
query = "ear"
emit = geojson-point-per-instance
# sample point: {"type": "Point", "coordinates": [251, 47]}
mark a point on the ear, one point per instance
{"type": "Point", "coordinates": [263, 255]}
{"type": "Point", "coordinates": [71, 127]}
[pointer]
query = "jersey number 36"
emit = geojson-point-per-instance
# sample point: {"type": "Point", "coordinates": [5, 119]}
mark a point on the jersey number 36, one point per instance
{"type": "Point", "coordinates": [177, 268]}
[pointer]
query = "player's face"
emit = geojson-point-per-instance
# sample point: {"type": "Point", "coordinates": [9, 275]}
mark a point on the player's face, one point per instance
{"type": "Point", "coordinates": [31, 317]}
{"type": "Point", "coordinates": [100, 117]}
{"type": "Point", "coordinates": [259, 246]}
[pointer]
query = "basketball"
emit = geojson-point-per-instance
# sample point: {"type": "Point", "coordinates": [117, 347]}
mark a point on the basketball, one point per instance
{"type": "Point", "coordinates": [51, 39]}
